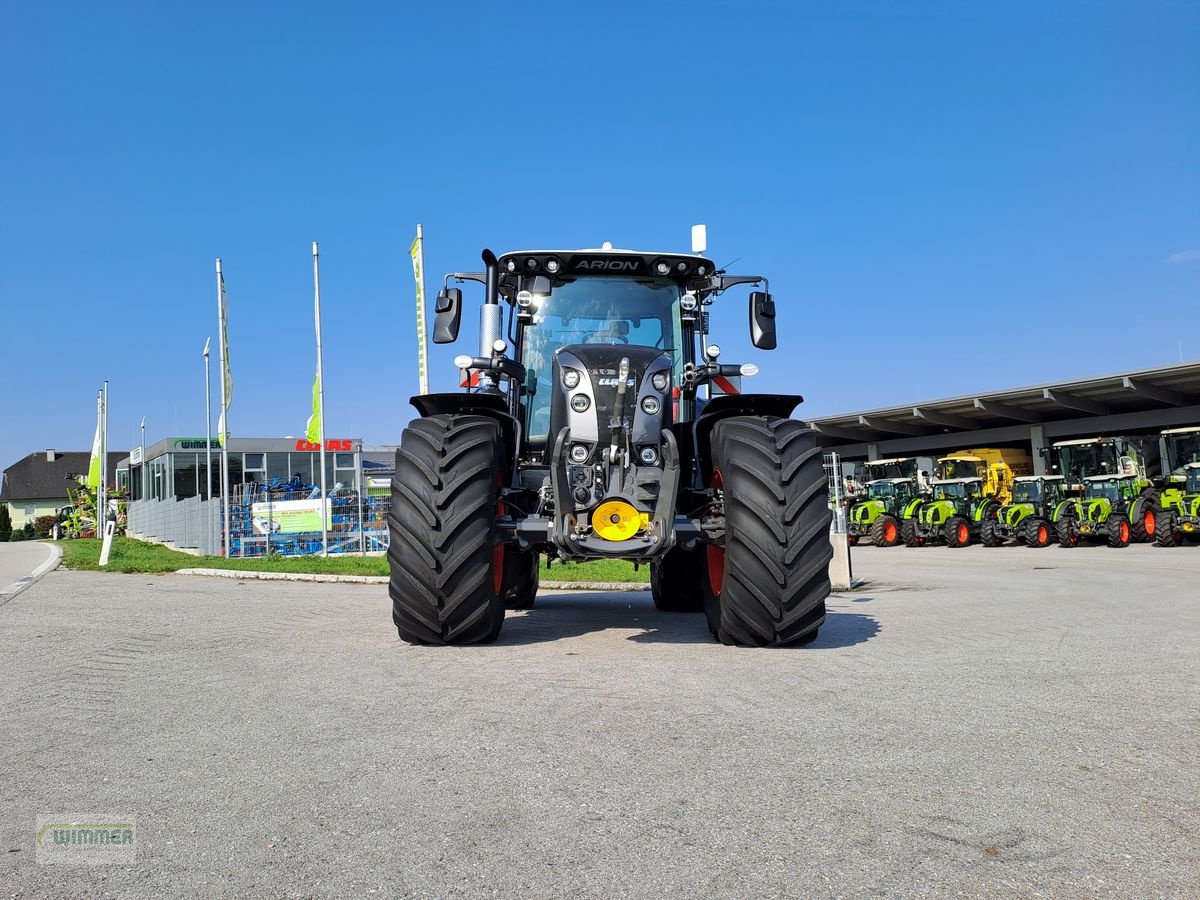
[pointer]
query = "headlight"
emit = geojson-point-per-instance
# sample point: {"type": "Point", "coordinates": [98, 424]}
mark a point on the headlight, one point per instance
{"type": "Point", "coordinates": [552, 266]}
{"type": "Point", "coordinates": [570, 378]}
{"type": "Point", "coordinates": [662, 268]}
{"type": "Point", "coordinates": [580, 402]}
{"type": "Point", "coordinates": [688, 302]}
{"type": "Point", "coordinates": [511, 265]}
{"type": "Point", "coordinates": [650, 405]}
{"type": "Point", "coordinates": [649, 456]}
{"type": "Point", "coordinates": [660, 380]}
{"type": "Point", "coordinates": [579, 453]}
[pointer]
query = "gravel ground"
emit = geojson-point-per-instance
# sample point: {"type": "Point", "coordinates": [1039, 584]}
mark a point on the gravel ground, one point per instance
{"type": "Point", "coordinates": [999, 723]}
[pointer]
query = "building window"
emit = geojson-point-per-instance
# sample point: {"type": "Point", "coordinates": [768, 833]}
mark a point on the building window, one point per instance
{"type": "Point", "coordinates": [30, 512]}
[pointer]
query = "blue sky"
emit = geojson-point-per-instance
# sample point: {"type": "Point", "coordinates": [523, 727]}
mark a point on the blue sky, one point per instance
{"type": "Point", "coordinates": [946, 196]}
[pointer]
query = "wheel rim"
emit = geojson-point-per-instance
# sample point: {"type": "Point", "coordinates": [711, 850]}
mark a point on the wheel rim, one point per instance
{"type": "Point", "coordinates": [1124, 531]}
{"type": "Point", "coordinates": [889, 533]}
{"type": "Point", "coordinates": [1043, 536]}
{"type": "Point", "coordinates": [1150, 522]}
{"type": "Point", "coordinates": [962, 533]}
{"type": "Point", "coordinates": [716, 555]}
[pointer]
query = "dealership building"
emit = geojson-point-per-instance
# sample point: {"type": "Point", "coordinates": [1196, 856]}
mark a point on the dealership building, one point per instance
{"type": "Point", "coordinates": [176, 468]}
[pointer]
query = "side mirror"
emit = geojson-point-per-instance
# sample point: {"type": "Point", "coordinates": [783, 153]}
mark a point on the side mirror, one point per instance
{"type": "Point", "coordinates": [762, 320]}
{"type": "Point", "coordinates": [447, 316]}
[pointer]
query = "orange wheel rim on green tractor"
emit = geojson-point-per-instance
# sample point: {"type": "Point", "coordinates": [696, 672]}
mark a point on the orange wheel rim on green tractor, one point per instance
{"type": "Point", "coordinates": [715, 554]}
{"type": "Point", "coordinates": [963, 533]}
{"type": "Point", "coordinates": [889, 533]}
{"type": "Point", "coordinates": [1043, 534]}
{"type": "Point", "coordinates": [1150, 523]}
{"type": "Point", "coordinates": [1124, 531]}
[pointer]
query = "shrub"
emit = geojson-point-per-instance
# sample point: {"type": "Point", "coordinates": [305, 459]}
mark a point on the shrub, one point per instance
{"type": "Point", "coordinates": [43, 524]}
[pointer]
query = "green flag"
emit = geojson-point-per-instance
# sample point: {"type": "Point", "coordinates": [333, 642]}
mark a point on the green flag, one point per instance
{"type": "Point", "coordinates": [93, 475]}
{"type": "Point", "coordinates": [314, 421]}
{"type": "Point", "coordinates": [226, 373]}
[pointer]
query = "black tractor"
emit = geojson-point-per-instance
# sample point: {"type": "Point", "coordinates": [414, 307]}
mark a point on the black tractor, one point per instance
{"type": "Point", "coordinates": [589, 436]}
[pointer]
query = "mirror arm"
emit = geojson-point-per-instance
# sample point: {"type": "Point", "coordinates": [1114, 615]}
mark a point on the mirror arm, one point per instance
{"type": "Point", "coordinates": [460, 277]}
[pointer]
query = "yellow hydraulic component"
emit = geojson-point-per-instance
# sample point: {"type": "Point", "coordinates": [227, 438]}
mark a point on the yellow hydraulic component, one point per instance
{"type": "Point", "coordinates": [616, 520]}
{"type": "Point", "coordinates": [996, 466]}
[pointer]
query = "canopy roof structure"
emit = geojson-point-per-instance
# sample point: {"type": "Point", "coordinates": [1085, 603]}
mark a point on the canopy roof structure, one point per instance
{"type": "Point", "coordinates": [1141, 401]}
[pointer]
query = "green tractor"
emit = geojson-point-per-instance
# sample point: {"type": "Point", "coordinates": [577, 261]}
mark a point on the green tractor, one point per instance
{"type": "Point", "coordinates": [1110, 510]}
{"type": "Point", "coordinates": [956, 514]}
{"type": "Point", "coordinates": [1179, 519]}
{"type": "Point", "coordinates": [1128, 458]}
{"type": "Point", "coordinates": [896, 489]}
{"type": "Point", "coordinates": [1038, 504]}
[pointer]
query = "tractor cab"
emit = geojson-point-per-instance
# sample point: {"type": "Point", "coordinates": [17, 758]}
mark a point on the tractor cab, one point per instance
{"type": "Point", "coordinates": [1180, 449]}
{"type": "Point", "coordinates": [891, 490]}
{"type": "Point", "coordinates": [1116, 489]}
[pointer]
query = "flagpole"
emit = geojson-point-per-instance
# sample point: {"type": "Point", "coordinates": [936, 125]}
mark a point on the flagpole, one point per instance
{"type": "Point", "coordinates": [321, 402]}
{"type": "Point", "coordinates": [98, 446]}
{"type": "Point", "coordinates": [104, 450]}
{"type": "Point", "coordinates": [422, 342]}
{"type": "Point", "coordinates": [222, 338]}
{"type": "Point", "coordinates": [207, 428]}
{"type": "Point", "coordinates": [143, 429]}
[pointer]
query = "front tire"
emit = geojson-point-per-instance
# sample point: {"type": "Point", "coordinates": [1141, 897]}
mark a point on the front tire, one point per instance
{"type": "Point", "coordinates": [957, 532]}
{"type": "Point", "coordinates": [908, 534]}
{"type": "Point", "coordinates": [1037, 533]}
{"type": "Point", "coordinates": [885, 531]}
{"type": "Point", "coordinates": [1064, 530]}
{"type": "Point", "coordinates": [1165, 535]}
{"type": "Point", "coordinates": [767, 583]}
{"type": "Point", "coordinates": [677, 581]}
{"type": "Point", "coordinates": [1145, 519]}
{"type": "Point", "coordinates": [988, 535]}
{"type": "Point", "coordinates": [1119, 530]}
{"type": "Point", "coordinates": [447, 567]}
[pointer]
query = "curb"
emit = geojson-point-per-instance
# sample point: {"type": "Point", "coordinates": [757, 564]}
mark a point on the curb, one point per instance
{"type": "Point", "coordinates": [26, 580]}
{"type": "Point", "coordinates": [325, 578]}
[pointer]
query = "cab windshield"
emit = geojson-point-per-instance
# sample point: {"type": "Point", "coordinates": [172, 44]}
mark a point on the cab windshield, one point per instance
{"type": "Point", "coordinates": [1183, 449]}
{"type": "Point", "coordinates": [957, 468]}
{"type": "Point", "coordinates": [1109, 490]}
{"type": "Point", "coordinates": [1081, 460]}
{"type": "Point", "coordinates": [957, 490]}
{"type": "Point", "coordinates": [635, 312]}
{"type": "Point", "coordinates": [1027, 492]}
{"type": "Point", "coordinates": [884, 490]}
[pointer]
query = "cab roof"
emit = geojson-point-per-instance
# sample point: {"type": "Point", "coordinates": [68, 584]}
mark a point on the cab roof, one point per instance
{"type": "Point", "coordinates": [1038, 478]}
{"type": "Point", "coordinates": [956, 480]}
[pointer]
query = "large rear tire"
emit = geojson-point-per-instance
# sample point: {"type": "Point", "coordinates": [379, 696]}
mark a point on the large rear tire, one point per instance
{"type": "Point", "coordinates": [447, 568]}
{"type": "Point", "coordinates": [767, 582]}
{"type": "Point", "coordinates": [521, 577]}
{"type": "Point", "coordinates": [677, 581]}
{"type": "Point", "coordinates": [1165, 535]}
{"type": "Point", "coordinates": [885, 531]}
{"type": "Point", "coordinates": [1144, 524]}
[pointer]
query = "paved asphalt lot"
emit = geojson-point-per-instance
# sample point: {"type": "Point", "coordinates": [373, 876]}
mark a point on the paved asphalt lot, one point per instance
{"type": "Point", "coordinates": [1009, 722]}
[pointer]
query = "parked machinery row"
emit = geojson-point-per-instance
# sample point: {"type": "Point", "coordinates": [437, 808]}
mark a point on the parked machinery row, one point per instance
{"type": "Point", "coordinates": [1095, 490]}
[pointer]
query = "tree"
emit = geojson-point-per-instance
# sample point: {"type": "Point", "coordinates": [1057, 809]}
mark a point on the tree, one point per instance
{"type": "Point", "coordinates": [5, 522]}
